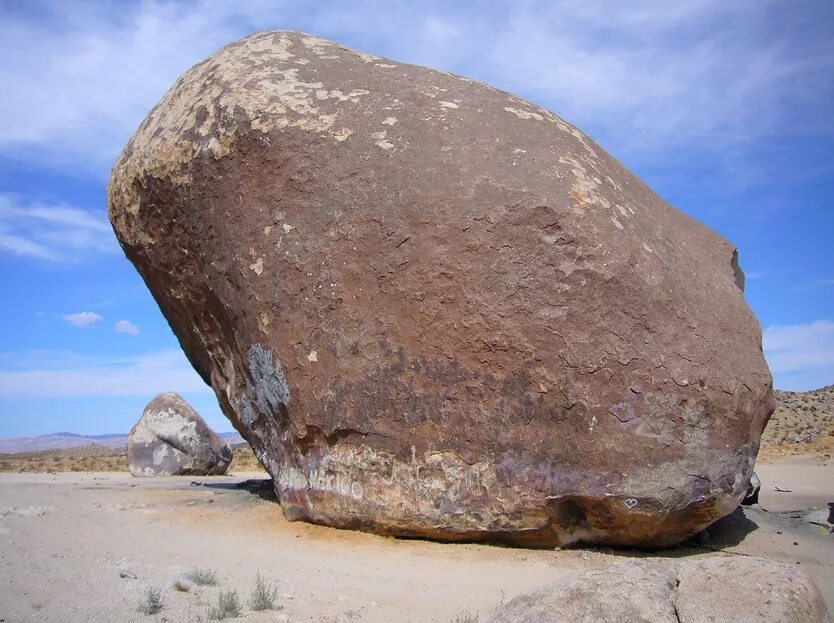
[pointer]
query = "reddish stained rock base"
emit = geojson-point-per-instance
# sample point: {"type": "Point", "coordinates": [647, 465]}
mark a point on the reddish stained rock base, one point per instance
{"type": "Point", "coordinates": [435, 309]}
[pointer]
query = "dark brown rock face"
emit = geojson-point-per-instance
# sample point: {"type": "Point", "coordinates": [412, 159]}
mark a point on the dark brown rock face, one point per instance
{"type": "Point", "coordinates": [433, 308]}
{"type": "Point", "coordinates": [172, 439]}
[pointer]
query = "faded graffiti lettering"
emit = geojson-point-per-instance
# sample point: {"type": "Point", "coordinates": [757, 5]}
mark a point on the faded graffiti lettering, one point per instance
{"type": "Point", "coordinates": [321, 482]}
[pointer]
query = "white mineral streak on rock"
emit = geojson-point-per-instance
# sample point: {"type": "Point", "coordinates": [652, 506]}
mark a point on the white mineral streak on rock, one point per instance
{"type": "Point", "coordinates": [585, 189]}
{"type": "Point", "coordinates": [161, 452]}
{"type": "Point", "coordinates": [281, 99]}
{"type": "Point", "coordinates": [524, 114]}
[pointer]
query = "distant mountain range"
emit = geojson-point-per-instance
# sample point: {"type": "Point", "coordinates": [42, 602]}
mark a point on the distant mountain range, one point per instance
{"type": "Point", "coordinates": [59, 441]}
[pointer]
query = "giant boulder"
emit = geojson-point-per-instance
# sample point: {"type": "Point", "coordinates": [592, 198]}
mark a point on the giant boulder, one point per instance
{"type": "Point", "coordinates": [433, 308]}
{"type": "Point", "coordinates": [172, 439]}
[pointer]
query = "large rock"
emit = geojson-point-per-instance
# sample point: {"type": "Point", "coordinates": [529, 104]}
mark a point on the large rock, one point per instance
{"type": "Point", "coordinates": [634, 592]}
{"type": "Point", "coordinates": [433, 308]}
{"type": "Point", "coordinates": [717, 589]}
{"type": "Point", "coordinates": [171, 438]}
{"type": "Point", "coordinates": [749, 589]}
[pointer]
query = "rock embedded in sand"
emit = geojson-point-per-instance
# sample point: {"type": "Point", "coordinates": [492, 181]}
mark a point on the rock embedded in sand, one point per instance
{"type": "Point", "coordinates": [435, 309]}
{"type": "Point", "coordinates": [746, 588]}
{"type": "Point", "coordinates": [172, 439]}
{"type": "Point", "coordinates": [657, 590]}
{"type": "Point", "coordinates": [634, 591]}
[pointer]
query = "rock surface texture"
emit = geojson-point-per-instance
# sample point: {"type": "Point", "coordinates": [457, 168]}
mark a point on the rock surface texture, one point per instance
{"type": "Point", "coordinates": [435, 309]}
{"type": "Point", "coordinates": [171, 438]}
{"type": "Point", "coordinates": [716, 589]}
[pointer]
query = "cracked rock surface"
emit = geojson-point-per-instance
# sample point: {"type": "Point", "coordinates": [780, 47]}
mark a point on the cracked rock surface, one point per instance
{"type": "Point", "coordinates": [435, 309]}
{"type": "Point", "coordinates": [716, 589]}
{"type": "Point", "coordinates": [172, 439]}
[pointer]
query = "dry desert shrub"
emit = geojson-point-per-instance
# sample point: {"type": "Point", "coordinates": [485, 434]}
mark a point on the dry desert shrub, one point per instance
{"type": "Point", "coordinates": [90, 458]}
{"type": "Point", "coordinates": [228, 607]}
{"type": "Point", "coordinates": [203, 577]}
{"type": "Point", "coordinates": [244, 459]}
{"type": "Point", "coordinates": [264, 595]}
{"type": "Point", "coordinates": [151, 602]}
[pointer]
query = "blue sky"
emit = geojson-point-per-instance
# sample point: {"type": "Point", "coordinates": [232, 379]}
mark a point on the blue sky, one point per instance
{"type": "Point", "coordinates": [725, 108]}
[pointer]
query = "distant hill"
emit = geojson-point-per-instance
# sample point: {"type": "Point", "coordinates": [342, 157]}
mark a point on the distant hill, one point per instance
{"type": "Point", "coordinates": [803, 422]}
{"type": "Point", "coordinates": [65, 440]}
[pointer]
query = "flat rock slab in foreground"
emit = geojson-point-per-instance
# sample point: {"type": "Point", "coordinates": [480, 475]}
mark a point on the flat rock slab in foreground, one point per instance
{"type": "Point", "coordinates": [655, 590]}
{"type": "Point", "coordinates": [435, 309]}
{"type": "Point", "coordinates": [172, 439]}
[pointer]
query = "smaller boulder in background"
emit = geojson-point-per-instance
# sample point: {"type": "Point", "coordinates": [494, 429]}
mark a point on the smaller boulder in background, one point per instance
{"type": "Point", "coordinates": [172, 439]}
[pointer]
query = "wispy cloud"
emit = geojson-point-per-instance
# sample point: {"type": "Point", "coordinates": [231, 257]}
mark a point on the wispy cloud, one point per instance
{"type": "Point", "coordinates": [647, 77]}
{"type": "Point", "coordinates": [125, 326]}
{"type": "Point", "coordinates": [642, 75]}
{"type": "Point", "coordinates": [99, 304]}
{"type": "Point", "coordinates": [82, 320]}
{"type": "Point", "coordinates": [801, 356]}
{"type": "Point", "coordinates": [45, 374]}
{"type": "Point", "coordinates": [85, 74]}
{"type": "Point", "coordinates": [54, 232]}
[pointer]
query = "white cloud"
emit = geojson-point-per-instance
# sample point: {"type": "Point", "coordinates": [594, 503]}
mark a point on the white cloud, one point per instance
{"type": "Point", "coordinates": [125, 326]}
{"type": "Point", "coordinates": [54, 232]}
{"type": "Point", "coordinates": [649, 75]}
{"type": "Point", "coordinates": [49, 374]}
{"type": "Point", "coordinates": [85, 74]}
{"type": "Point", "coordinates": [641, 75]}
{"type": "Point", "coordinates": [801, 356]}
{"type": "Point", "coordinates": [83, 319]}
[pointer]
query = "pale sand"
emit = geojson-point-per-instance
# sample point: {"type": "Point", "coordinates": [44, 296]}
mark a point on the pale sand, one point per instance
{"type": "Point", "coordinates": [810, 480]}
{"type": "Point", "coordinates": [65, 537]}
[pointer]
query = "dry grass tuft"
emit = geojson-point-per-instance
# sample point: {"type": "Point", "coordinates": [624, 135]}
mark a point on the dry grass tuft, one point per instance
{"type": "Point", "coordinates": [151, 602]}
{"type": "Point", "coordinates": [228, 607]}
{"type": "Point", "coordinates": [244, 460]}
{"type": "Point", "coordinates": [264, 595]}
{"type": "Point", "coordinates": [203, 577]}
{"type": "Point", "coordinates": [90, 458]}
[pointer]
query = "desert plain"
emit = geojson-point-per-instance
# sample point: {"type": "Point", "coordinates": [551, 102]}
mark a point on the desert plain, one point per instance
{"type": "Point", "coordinates": [83, 540]}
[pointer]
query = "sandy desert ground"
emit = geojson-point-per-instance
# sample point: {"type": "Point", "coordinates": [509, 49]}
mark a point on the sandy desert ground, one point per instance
{"type": "Point", "coordinates": [65, 538]}
{"type": "Point", "coordinates": [73, 522]}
